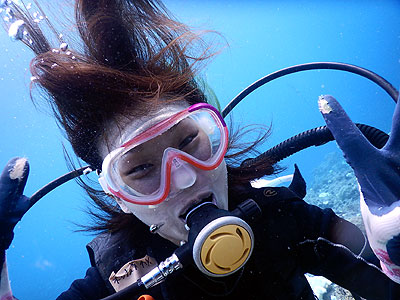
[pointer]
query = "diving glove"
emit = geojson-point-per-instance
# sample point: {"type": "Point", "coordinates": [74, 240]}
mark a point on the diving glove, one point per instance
{"type": "Point", "coordinates": [13, 204]}
{"type": "Point", "coordinates": [378, 175]}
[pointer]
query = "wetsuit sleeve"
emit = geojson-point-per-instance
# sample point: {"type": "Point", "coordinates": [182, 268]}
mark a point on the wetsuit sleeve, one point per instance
{"type": "Point", "coordinates": [343, 267]}
{"type": "Point", "coordinates": [322, 243]}
{"type": "Point", "coordinates": [317, 222]}
{"type": "Point", "coordinates": [337, 250]}
{"type": "Point", "coordinates": [91, 287]}
{"type": "Point", "coordinates": [300, 221]}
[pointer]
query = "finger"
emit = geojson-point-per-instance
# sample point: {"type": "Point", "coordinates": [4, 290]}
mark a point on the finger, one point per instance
{"type": "Point", "coordinates": [394, 139]}
{"type": "Point", "coordinates": [349, 138]}
{"type": "Point", "coordinates": [13, 178]}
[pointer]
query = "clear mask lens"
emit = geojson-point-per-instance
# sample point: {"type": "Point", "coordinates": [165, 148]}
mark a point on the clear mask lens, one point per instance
{"type": "Point", "coordinates": [142, 169]}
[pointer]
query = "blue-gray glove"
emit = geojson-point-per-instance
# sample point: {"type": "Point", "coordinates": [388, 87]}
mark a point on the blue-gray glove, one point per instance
{"type": "Point", "coordinates": [378, 176]}
{"type": "Point", "coordinates": [13, 205]}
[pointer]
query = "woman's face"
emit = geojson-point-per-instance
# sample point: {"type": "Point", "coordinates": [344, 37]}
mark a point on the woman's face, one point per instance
{"type": "Point", "coordinates": [140, 168]}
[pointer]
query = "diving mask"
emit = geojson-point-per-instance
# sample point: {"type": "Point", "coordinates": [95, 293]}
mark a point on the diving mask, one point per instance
{"type": "Point", "coordinates": [143, 169]}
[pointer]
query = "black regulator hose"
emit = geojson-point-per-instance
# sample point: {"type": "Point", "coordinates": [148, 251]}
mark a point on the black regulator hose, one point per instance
{"type": "Point", "coordinates": [314, 137]}
{"type": "Point", "coordinates": [57, 182]}
{"type": "Point", "coordinates": [382, 82]}
{"type": "Point", "coordinates": [320, 135]}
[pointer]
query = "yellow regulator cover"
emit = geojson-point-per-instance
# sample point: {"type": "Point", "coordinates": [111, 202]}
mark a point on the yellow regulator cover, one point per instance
{"type": "Point", "coordinates": [226, 249]}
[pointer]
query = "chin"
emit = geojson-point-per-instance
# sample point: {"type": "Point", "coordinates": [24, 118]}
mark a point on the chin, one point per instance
{"type": "Point", "coordinates": [177, 236]}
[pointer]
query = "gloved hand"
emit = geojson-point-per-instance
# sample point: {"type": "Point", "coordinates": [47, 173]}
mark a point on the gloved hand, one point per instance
{"type": "Point", "coordinates": [13, 205]}
{"type": "Point", "coordinates": [378, 176]}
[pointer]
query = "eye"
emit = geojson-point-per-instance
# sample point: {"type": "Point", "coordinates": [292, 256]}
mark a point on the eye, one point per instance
{"type": "Point", "coordinates": [140, 170]}
{"type": "Point", "coordinates": [187, 140]}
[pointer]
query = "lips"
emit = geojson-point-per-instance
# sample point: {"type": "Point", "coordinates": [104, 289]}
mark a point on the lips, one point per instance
{"type": "Point", "coordinates": [209, 199]}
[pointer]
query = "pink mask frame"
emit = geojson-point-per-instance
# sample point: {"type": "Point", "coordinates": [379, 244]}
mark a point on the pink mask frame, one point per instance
{"type": "Point", "coordinates": [111, 183]}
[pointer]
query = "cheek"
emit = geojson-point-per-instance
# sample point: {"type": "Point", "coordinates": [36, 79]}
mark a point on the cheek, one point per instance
{"type": "Point", "coordinates": [145, 214]}
{"type": "Point", "coordinates": [220, 185]}
{"type": "Point", "coordinates": [221, 174]}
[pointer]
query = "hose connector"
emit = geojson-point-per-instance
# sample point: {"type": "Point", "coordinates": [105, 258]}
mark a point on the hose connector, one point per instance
{"type": "Point", "coordinates": [159, 273]}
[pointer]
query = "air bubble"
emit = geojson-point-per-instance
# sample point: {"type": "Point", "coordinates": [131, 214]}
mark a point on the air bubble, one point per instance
{"type": "Point", "coordinates": [9, 13]}
{"type": "Point", "coordinates": [16, 30]}
{"type": "Point", "coordinates": [64, 46]}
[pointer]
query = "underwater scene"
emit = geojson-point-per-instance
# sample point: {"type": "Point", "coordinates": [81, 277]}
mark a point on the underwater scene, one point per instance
{"type": "Point", "coordinates": [257, 38]}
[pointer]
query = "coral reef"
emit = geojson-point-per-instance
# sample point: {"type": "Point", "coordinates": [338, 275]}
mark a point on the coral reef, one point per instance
{"type": "Point", "coordinates": [335, 186]}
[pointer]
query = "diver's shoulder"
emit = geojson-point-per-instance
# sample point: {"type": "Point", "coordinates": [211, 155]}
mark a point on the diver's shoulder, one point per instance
{"type": "Point", "coordinates": [273, 194]}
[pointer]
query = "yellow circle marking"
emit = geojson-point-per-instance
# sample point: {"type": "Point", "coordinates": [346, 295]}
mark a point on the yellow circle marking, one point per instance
{"type": "Point", "coordinates": [226, 249]}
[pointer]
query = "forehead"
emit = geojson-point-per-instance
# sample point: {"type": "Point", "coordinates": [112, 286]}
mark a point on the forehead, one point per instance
{"type": "Point", "coordinates": [120, 133]}
{"type": "Point", "coordinates": [168, 137]}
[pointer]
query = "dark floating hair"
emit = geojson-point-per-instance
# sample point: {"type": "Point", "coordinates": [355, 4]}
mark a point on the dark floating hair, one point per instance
{"type": "Point", "coordinates": [133, 57]}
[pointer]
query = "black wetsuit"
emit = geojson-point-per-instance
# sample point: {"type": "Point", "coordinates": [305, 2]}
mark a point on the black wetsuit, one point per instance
{"type": "Point", "coordinates": [292, 238]}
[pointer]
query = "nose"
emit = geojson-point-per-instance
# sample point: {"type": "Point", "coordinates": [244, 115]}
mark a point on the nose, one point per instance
{"type": "Point", "coordinates": [182, 174]}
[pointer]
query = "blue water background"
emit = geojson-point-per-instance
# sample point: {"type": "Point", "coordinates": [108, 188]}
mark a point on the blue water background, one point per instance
{"type": "Point", "coordinates": [263, 36]}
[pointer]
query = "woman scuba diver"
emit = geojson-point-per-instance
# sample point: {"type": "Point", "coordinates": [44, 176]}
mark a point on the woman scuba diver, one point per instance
{"type": "Point", "coordinates": [133, 110]}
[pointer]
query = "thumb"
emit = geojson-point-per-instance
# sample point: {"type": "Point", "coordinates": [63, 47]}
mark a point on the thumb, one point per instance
{"type": "Point", "coordinates": [351, 141]}
{"type": "Point", "coordinates": [12, 181]}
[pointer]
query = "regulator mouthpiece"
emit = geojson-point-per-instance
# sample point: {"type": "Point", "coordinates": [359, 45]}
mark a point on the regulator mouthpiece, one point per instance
{"type": "Point", "coordinates": [222, 243]}
{"type": "Point", "coordinates": [223, 246]}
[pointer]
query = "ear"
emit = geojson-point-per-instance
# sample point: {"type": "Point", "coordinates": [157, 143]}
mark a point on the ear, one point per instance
{"type": "Point", "coordinates": [122, 205]}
